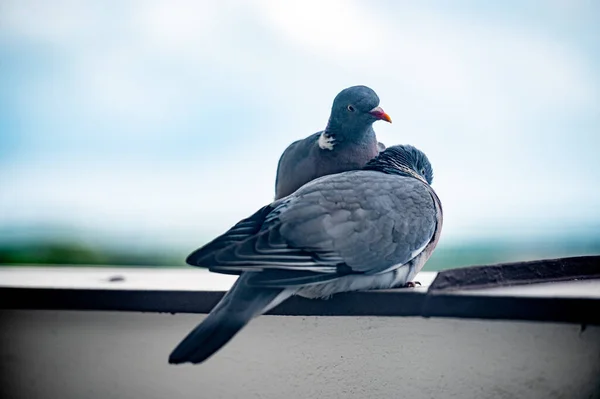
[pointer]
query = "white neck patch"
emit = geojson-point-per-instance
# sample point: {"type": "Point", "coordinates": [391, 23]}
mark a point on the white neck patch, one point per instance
{"type": "Point", "coordinates": [326, 142]}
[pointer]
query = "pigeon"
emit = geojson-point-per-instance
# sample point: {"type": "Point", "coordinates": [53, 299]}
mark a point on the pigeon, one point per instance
{"type": "Point", "coordinates": [372, 228]}
{"type": "Point", "coordinates": [347, 143]}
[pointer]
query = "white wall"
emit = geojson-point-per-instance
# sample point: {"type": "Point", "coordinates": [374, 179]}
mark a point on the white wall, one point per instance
{"type": "Point", "coordinates": [68, 354]}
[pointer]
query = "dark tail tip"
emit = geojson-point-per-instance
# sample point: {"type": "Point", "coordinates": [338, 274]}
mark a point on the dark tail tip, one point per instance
{"type": "Point", "coordinates": [229, 316]}
{"type": "Point", "coordinates": [206, 339]}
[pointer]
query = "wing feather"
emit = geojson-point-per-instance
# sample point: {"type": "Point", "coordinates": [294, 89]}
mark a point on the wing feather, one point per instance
{"type": "Point", "coordinates": [359, 222]}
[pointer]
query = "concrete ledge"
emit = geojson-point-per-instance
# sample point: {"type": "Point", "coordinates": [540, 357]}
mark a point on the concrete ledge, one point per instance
{"type": "Point", "coordinates": [563, 290]}
{"type": "Point", "coordinates": [462, 335]}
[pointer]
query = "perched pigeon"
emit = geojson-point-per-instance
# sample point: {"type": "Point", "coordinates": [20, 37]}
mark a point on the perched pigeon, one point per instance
{"type": "Point", "coordinates": [367, 229]}
{"type": "Point", "coordinates": [347, 143]}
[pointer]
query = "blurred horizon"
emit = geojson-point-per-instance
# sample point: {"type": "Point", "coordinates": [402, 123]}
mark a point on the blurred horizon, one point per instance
{"type": "Point", "coordinates": [136, 131]}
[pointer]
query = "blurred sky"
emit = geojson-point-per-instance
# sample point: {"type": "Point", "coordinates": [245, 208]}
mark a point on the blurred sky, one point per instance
{"type": "Point", "coordinates": [165, 119]}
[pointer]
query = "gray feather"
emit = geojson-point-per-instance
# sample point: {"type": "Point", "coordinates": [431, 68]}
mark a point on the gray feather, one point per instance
{"type": "Point", "coordinates": [242, 230]}
{"type": "Point", "coordinates": [382, 221]}
{"type": "Point", "coordinates": [229, 316]}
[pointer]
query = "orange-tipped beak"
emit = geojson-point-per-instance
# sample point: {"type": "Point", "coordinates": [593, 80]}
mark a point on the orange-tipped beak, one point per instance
{"type": "Point", "coordinates": [378, 113]}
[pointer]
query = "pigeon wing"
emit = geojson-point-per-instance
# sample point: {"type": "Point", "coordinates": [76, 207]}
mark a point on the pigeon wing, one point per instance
{"type": "Point", "coordinates": [354, 222]}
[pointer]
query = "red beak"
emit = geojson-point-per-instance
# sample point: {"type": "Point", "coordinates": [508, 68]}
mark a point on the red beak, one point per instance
{"type": "Point", "coordinates": [378, 113]}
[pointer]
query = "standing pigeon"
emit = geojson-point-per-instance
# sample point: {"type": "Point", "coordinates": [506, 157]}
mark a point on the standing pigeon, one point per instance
{"type": "Point", "coordinates": [347, 143]}
{"type": "Point", "coordinates": [367, 229]}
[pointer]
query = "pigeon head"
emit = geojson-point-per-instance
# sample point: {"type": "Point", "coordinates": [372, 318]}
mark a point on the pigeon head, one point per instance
{"type": "Point", "coordinates": [403, 160]}
{"type": "Point", "coordinates": [353, 112]}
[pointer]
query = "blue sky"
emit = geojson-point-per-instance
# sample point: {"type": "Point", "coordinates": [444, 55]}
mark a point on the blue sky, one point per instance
{"type": "Point", "coordinates": [165, 119]}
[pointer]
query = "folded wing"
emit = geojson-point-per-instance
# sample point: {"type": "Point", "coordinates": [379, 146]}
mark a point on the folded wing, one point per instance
{"type": "Point", "coordinates": [355, 222]}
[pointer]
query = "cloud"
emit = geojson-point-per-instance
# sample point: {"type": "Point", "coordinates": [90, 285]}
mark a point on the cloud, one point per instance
{"type": "Point", "coordinates": [332, 29]}
{"type": "Point", "coordinates": [63, 23]}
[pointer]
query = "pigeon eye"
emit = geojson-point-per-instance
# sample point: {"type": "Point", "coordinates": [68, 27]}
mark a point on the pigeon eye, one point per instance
{"type": "Point", "coordinates": [423, 172]}
{"type": "Point", "coordinates": [350, 108]}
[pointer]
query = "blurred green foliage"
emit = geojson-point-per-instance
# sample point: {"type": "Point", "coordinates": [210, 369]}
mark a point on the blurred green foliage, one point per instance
{"type": "Point", "coordinates": [487, 253]}
{"type": "Point", "coordinates": [65, 253]}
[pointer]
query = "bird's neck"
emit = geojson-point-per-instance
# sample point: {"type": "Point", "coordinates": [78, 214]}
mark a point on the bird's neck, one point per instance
{"type": "Point", "coordinates": [341, 135]}
{"type": "Point", "coordinates": [393, 168]}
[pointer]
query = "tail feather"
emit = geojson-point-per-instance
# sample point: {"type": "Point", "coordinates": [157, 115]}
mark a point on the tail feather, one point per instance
{"type": "Point", "coordinates": [230, 315]}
